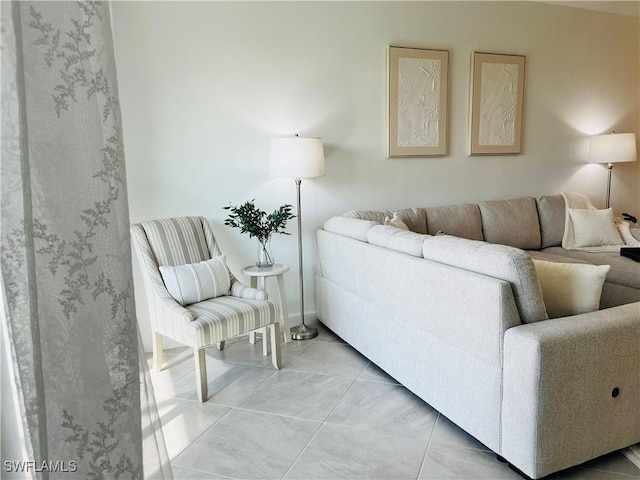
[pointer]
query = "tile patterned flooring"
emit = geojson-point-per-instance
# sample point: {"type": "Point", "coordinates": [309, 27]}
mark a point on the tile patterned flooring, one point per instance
{"type": "Point", "coordinates": [329, 413]}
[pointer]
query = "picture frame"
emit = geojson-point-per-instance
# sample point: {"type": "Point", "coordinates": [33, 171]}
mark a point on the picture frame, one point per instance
{"type": "Point", "coordinates": [497, 96]}
{"type": "Point", "coordinates": [417, 100]}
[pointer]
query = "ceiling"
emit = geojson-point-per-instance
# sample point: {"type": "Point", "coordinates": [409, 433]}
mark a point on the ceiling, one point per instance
{"type": "Point", "coordinates": [629, 7]}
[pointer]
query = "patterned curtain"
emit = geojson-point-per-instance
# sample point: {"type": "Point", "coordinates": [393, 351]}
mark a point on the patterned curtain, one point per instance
{"type": "Point", "coordinates": [76, 400]}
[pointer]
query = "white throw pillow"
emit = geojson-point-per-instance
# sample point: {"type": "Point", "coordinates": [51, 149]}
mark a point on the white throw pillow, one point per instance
{"type": "Point", "coordinates": [593, 228]}
{"type": "Point", "coordinates": [395, 221]}
{"type": "Point", "coordinates": [196, 282]}
{"type": "Point", "coordinates": [570, 288]}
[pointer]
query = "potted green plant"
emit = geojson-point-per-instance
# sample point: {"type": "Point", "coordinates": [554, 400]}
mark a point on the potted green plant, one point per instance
{"type": "Point", "coordinates": [250, 219]}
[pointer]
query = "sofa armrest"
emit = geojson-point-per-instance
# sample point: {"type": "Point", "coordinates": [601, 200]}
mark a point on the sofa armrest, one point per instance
{"type": "Point", "coordinates": [571, 389]}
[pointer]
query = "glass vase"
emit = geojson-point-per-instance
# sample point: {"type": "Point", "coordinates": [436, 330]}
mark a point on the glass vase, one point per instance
{"type": "Point", "coordinates": [265, 256]}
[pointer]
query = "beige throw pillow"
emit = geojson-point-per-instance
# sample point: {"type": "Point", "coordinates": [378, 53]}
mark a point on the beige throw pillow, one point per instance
{"type": "Point", "coordinates": [395, 221]}
{"type": "Point", "coordinates": [197, 282]}
{"type": "Point", "coordinates": [593, 228]}
{"type": "Point", "coordinates": [570, 288]}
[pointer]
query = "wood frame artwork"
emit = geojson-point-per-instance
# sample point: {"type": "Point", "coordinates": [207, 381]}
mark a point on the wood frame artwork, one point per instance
{"type": "Point", "coordinates": [417, 102]}
{"type": "Point", "coordinates": [497, 93]}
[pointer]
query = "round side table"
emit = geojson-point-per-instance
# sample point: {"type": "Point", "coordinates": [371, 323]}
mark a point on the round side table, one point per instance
{"type": "Point", "coordinates": [258, 278]}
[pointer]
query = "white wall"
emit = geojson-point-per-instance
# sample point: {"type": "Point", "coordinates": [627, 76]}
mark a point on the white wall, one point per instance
{"type": "Point", "coordinates": [204, 86]}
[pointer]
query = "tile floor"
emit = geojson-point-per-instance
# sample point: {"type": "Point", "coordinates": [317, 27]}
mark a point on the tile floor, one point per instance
{"type": "Point", "coordinates": [329, 413]}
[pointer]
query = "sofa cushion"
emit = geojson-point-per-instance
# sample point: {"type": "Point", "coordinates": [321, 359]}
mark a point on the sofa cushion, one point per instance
{"type": "Point", "coordinates": [499, 261]}
{"type": "Point", "coordinates": [570, 288]}
{"type": "Point", "coordinates": [551, 212]}
{"type": "Point", "coordinates": [398, 239]}
{"type": "Point", "coordinates": [623, 270]}
{"type": "Point", "coordinates": [350, 227]}
{"type": "Point", "coordinates": [511, 222]}
{"type": "Point", "coordinates": [371, 215]}
{"type": "Point", "coordinates": [459, 220]}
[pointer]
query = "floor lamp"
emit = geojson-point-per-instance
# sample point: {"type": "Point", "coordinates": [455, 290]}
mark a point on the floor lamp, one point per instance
{"type": "Point", "coordinates": [298, 158]}
{"type": "Point", "coordinates": [612, 148]}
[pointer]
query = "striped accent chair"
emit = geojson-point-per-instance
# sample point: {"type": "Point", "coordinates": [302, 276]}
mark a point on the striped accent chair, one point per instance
{"type": "Point", "coordinates": [188, 240]}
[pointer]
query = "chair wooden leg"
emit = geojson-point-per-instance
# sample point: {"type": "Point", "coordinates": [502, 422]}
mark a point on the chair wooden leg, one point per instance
{"type": "Point", "coordinates": [220, 345]}
{"type": "Point", "coordinates": [275, 345]}
{"type": "Point", "coordinates": [157, 351]}
{"type": "Point", "coordinates": [201, 373]}
{"type": "Point", "coordinates": [265, 342]}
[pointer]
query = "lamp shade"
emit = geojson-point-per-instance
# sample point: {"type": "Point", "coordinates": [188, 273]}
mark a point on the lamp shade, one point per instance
{"type": "Point", "coordinates": [296, 157]}
{"type": "Point", "coordinates": [613, 148]}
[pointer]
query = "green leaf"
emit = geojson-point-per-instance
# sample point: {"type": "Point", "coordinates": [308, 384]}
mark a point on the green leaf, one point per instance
{"type": "Point", "coordinates": [250, 219]}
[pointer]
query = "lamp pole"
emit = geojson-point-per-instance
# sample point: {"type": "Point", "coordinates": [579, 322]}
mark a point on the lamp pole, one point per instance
{"type": "Point", "coordinates": [298, 158]}
{"type": "Point", "coordinates": [302, 331]}
{"type": "Point", "coordinates": [609, 168]}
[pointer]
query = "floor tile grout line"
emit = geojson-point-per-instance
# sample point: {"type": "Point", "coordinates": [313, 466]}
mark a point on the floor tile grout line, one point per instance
{"type": "Point", "coordinates": [322, 374]}
{"type": "Point", "coordinates": [230, 408]}
{"type": "Point", "coordinates": [322, 424]}
{"type": "Point", "coordinates": [365, 429]}
{"type": "Point", "coordinates": [256, 387]}
{"type": "Point", "coordinates": [237, 362]}
{"type": "Point", "coordinates": [615, 473]}
{"type": "Point", "coordinates": [431, 441]}
{"type": "Point", "coordinates": [426, 450]}
{"type": "Point", "coordinates": [304, 449]}
{"type": "Point", "coordinates": [200, 471]}
{"type": "Point", "coordinates": [153, 373]}
{"type": "Point", "coordinates": [345, 394]}
{"type": "Point", "coordinates": [200, 436]}
{"type": "Point", "coordinates": [281, 415]}
{"type": "Point", "coordinates": [342, 426]}
{"type": "Point", "coordinates": [210, 401]}
{"type": "Point", "coordinates": [463, 447]}
{"type": "Point", "coordinates": [239, 408]}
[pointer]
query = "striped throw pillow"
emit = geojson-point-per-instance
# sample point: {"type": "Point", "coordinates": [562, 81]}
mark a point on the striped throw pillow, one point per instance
{"type": "Point", "coordinates": [196, 282]}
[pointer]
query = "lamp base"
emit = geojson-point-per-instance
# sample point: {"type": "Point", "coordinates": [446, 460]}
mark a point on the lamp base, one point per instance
{"type": "Point", "coordinates": [303, 332]}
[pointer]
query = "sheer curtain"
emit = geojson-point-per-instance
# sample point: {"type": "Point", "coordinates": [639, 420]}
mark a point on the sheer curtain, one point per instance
{"type": "Point", "coordinates": [76, 397]}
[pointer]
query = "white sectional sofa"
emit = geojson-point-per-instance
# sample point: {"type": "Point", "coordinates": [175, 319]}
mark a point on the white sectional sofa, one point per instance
{"type": "Point", "coordinates": [460, 320]}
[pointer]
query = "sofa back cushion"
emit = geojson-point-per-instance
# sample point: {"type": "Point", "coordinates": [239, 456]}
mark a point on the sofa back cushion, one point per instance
{"type": "Point", "coordinates": [551, 212]}
{"type": "Point", "coordinates": [370, 215]}
{"type": "Point", "coordinates": [394, 238]}
{"type": "Point", "coordinates": [458, 220]}
{"type": "Point", "coordinates": [414, 218]}
{"type": "Point", "coordinates": [350, 227]}
{"type": "Point", "coordinates": [499, 261]}
{"type": "Point", "coordinates": [511, 222]}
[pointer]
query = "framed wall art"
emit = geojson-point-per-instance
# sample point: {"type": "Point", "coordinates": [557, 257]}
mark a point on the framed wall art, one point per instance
{"type": "Point", "coordinates": [417, 102]}
{"type": "Point", "coordinates": [497, 93]}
